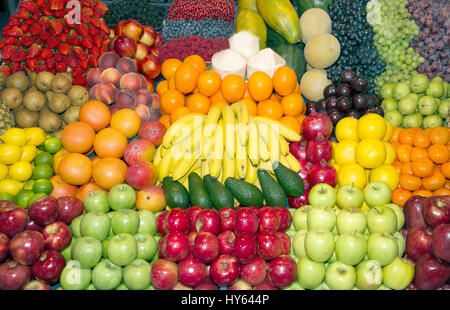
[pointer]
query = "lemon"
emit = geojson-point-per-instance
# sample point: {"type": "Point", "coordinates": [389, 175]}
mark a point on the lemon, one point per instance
{"type": "Point", "coordinates": [346, 129]}
{"type": "Point", "coordinates": [10, 153]}
{"type": "Point", "coordinates": [29, 152]}
{"type": "Point", "coordinates": [390, 153]}
{"type": "Point", "coordinates": [11, 186]}
{"type": "Point", "coordinates": [352, 174]}
{"type": "Point", "coordinates": [386, 174]}
{"type": "Point", "coordinates": [16, 136]}
{"type": "Point", "coordinates": [3, 171]}
{"type": "Point", "coordinates": [389, 132]}
{"type": "Point", "coordinates": [344, 152]}
{"type": "Point", "coordinates": [21, 171]}
{"type": "Point", "coordinates": [36, 134]}
{"type": "Point", "coordinates": [370, 153]}
{"type": "Point", "coordinates": [371, 126]}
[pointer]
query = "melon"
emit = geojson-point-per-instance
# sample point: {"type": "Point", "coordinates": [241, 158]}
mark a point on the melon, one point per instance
{"type": "Point", "coordinates": [313, 83]}
{"type": "Point", "coordinates": [322, 51]}
{"type": "Point", "coordinates": [313, 22]}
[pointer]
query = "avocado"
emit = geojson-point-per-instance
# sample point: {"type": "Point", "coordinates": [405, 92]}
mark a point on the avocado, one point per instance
{"type": "Point", "coordinates": [247, 194]}
{"type": "Point", "coordinates": [273, 192]}
{"type": "Point", "coordinates": [197, 192]}
{"type": "Point", "coordinates": [176, 194]}
{"type": "Point", "coordinates": [221, 197]}
{"type": "Point", "coordinates": [291, 182]}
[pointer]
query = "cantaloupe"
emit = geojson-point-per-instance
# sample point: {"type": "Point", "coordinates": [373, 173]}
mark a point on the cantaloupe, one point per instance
{"type": "Point", "coordinates": [322, 51]}
{"type": "Point", "coordinates": [313, 83]}
{"type": "Point", "coordinates": [313, 22]}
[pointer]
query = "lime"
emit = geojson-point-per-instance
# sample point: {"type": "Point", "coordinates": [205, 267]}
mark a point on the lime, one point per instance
{"type": "Point", "coordinates": [3, 171]}
{"type": "Point", "coordinates": [29, 184]}
{"type": "Point", "coordinates": [43, 158]}
{"type": "Point", "coordinates": [10, 153]}
{"type": "Point", "coordinates": [35, 197]}
{"type": "Point", "coordinates": [6, 196]}
{"type": "Point", "coordinates": [36, 135]}
{"type": "Point", "coordinates": [22, 197]}
{"type": "Point", "coordinates": [43, 186]}
{"type": "Point", "coordinates": [11, 186]}
{"type": "Point", "coordinates": [21, 171]}
{"type": "Point", "coordinates": [52, 145]}
{"type": "Point", "coordinates": [16, 136]}
{"type": "Point", "coordinates": [42, 171]}
{"type": "Point", "coordinates": [29, 152]}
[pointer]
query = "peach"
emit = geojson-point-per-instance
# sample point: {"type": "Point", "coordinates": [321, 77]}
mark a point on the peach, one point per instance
{"type": "Point", "coordinates": [131, 81]}
{"type": "Point", "coordinates": [114, 109]}
{"type": "Point", "coordinates": [143, 96]}
{"type": "Point", "coordinates": [156, 100]}
{"type": "Point", "coordinates": [143, 111]}
{"type": "Point", "coordinates": [94, 76]}
{"type": "Point", "coordinates": [126, 98]}
{"type": "Point", "coordinates": [155, 114]}
{"type": "Point", "coordinates": [106, 93]}
{"type": "Point", "coordinates": [108, 60]}
{"type": "Point", "coordinates": [125, 65]}
{"type": "Point", "coordinates": [111, 75]}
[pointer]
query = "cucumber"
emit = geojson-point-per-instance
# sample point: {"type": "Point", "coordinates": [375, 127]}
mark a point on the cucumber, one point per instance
{"type": "Point", "coordinates": [291, 182]}
{"type": "Point", "coordinates": [176, 194]}
{"type": "Point", "coordinates": [198, 193]}
{"type": "Point", "coordinates": [273, 192]}
{"type": "Point", "coordinates": [221, 196]}
{"type": "Point", "coordinates": [247, 194]}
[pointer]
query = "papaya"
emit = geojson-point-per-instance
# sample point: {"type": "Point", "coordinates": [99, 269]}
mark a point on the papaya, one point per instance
{"type": "Point", "coordinates": [251, 21]}
{"type": "Point", "coordinates": [280, 15]}
{"type": "Point", "coordinates": [247, 4]}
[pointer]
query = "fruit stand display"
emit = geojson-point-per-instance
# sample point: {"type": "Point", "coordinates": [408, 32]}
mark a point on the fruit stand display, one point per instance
{"type": "Point", "coordinates": [225, 145]}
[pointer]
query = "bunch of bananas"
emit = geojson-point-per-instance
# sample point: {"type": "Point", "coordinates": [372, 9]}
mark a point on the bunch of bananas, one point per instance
{"type": "Point", "coordinates": [227, 142]}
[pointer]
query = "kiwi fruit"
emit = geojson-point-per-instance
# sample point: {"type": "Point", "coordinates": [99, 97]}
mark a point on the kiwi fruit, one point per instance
{"type": "Point", "coordinates": [12, 97]}
{"type": "Point", "coordinates": [58, 103]}
{"type": "Point", "coordinates": [34, 101]}
{"type": "Point", "coordinates": [78, 95]}
{"type": "Point", "coordinates": [43, 80]}
{"type": "Point", "coordinates": [71, 115]}
{"type": "Point", "coordinates": [26, 119]}
{"type": "Point", "coordinates": [49, 121]}
{"type": "Point", "coordinates": [61, 84]}
{"type": "Point", "coordinates": [18, 80]}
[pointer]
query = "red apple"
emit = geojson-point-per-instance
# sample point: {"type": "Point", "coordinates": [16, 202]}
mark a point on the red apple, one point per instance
{"type": "Point", "coordinates": [26, 247]}
{"type": "Point", "coordinates": [414, 212]}
{"type": "Point", "coordinates": [142, 50]}
{"type": "Point", "coordinates": [141, 174]}
{"type": "Point", "coordinates": [164, 274]}
{"type": "Point", "coordinates": [57, 235]}
{"type": "Point", "coordinates": [191, 239]}
{"type": "Point", "coordinates": [159, 40]}
{"type": "Point", "coordinates": [148, 36]}
{"type": "Point", "coordinates": [225, 270]}
{"type": "Point", "coordinates": [285, 218]}
{"type": "Point", "coordinates": [254, 208]}
{"type": "Point", "coordinates": [150, 66]}
{"type": "Point", "coordinates": [118, 28]}
{"type": "Point", "coordinates": [247, 222]}
{"type": "Point", "coordinates": [208, 285]}
{"type": "Point", "coordinates": [265, 286]}
{"type": "Point", "coordinates": [154, 51]}
{"type": "Point", "coordinates": [254, 272]}
{"type": "Point", "coordinates": [226, 241]}
{"type": "Point", "coordinates": [174, 246]}
{"type": "Point", "coordinates": [269, 245]}
{"type": "Point", "coordinates": [160, 219]}
{"type": "Point", "coordinates": [177, 220]}
{"type": "Point", "coordinates": [13, 275]}
{"type": "Point", "coordinates": [133, 29]}
{"type": "Point", "coordinates": [124, 46]}
{"type": "Point", "coordinates": [49, 266]}
{"type": "Point", "coordinates": [300, 201]}
{"type": "Point", "coordinates": [440, 242]}
{"type": "Point", "coordinates": [69, 208]}
{"type": "Point", "coordinates": [245, 248]}
{"type": "Point", "coordinates": [153, 131]}
{"type": "Point", "coordinates": [282, 271]}
{"type": "Point", "coordinates": [31, 225]}
{"type": "Point", "coordinates": [44, 210]}
{"type": "Point", "coordinates": [12, 218]}
{"type": "Point", "coordinates": [436, 210]}
{"type": "Point", "coordinates": [208, 221]}
{"type": "Point", "coordinates": [285, 242]}
{"type": "Point", "coordinates": [268, 219]}
{"type": "Point", "coordinates": [4, 246]}
{"type": "Point", "coordinates": [240, 285]}
{"type": "Point", "coordinates": [418, 242]}
{"type": "Point", "coordinates": [227, 216]}
{"type": "Point", "coordinates": [151, 198]}
{"type": "Point", "coordinates": [35, 285]}
{"type": "Point", "coordinates": [430, 273]}
{"type": "Point", "coordinates": [206, 247]}
{"type": "Point", "coordinates": [193, 211]}
{"type": "Point", "coordinates": [191, 272]}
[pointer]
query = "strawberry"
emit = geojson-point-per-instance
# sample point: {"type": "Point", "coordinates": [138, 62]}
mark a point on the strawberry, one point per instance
{"type": "Point", "coordinates": [87, 42]}
{"type": "Point", "coordinates": [57, 26]}
{"type": "Point", "coordinates": [29, 22]}
{"type": "Point", "coordinates": [53, 42]}
{"type": "Point", "coordinates": [22, 14]}
{"type": "Point", "coordinates": [33, 51]}
{"type": "Point", "coordinates": [79, 80]}
{"type": "Point", "coordinates": [46, 53]}
{"type": "Point", "coordinates": [46, 11]}
{"type": "Point", "coordinates": [13, 31]}
{"type": "Point", "coordinates": [95, 22]}
{"type": "Point", "coordinates": [7, 52]}
{"type": "Point", "coordinates": [44, 36]}
{"type": "Point", "coordinates": [102, 7]}
{"type": "Point", "coordinates": [59, 57]}
{"type": "Point", "coordinates": [6, 70]}
{"type": "Point", "coordinates": [41, 68]}
{"type": "Point", "coordinates": [26, 41]}
{"type": "Point", "coordinates": [98, 42]}
{"type": "Point", "coordinates": [88, 3]}
{"type": "Point", "coordinates": [73, 42]}
{"type": "Point", "coordinates": [24, 27]}
{"type": "Point", "coordinates": [63, 37]}
{"type": "Point", "coordinates": [29, 6]}
{"type": "Point", "coordinates": [64, 49]}
{"type": "Point", "coordinates": [56, 4]}
{"type": "Point", "coordinates": [83, 63]}
{"type": "Point", "coordinates": [16, 67]}
{"type": "Point", "coordinates": [93, 31]}
{"type": "Point", "coordinates": [35, 17]}
{"type": "Point", "coordinates": [41, 3]}
{"type": "Point", "coordinates": [78, 52]}
{"type": "Point", "coordinates": [14, 22]}
{"type": "Point", "coordinates": [61, 67]}
{"type": "Point", "coordinates": [10, 41]}
{"type": "Point", "coordinates": [77, 71]}
{"type": "Point", "coordinates": [31, 64]}
{"type": "Point", "coordinates": [45, 23]}
{"type": "Point", "coordinates": [35, 29]}
{"type": "Point", "coordinates": [94, 51]}
{"type": "Point", "coordinates": [71, 61]}
{"type": "Point", "coordinates": [104, 26]}
{"type": "Point", "coordinates": [58, 14]}
{"type": "Point", "coordinates": [82, 29]}
{"type": "Point", "coordinates": [93, 61]}
{"type": "Point", "coordinates": [19, 56]}
{"type": "Point", "coordinates": [51, 63]}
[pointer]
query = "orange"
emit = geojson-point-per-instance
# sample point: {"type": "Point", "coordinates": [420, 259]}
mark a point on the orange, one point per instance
{"type": "Point", "coordinates": [57, 159]}
{"type": "Point", "coordinates": [75, 169]}
{"type": "Point", "coordinates": [162, 87]}
{"type": "Point", "coordinates": [217, 97]}
{"type": "Point", "coordinates": [165, 120]}
{"type": "Point", "coordinates": [398, 166]}
{"type": "Point", "coordinates": [410, 182]}
{"type": "Point", "coordinates": [260, 86]}
{"type": "Point", "coordinates": [87, 188]}
{"type": "Point", "coordinates": [110, 142]}
{"type": "Point", "coordinates": [404, 153]}
{"type": "Point", "coordinates": [442, 192]}
{"type": "Point", "coordinates": [400, 196]}
{"type": "Point", "coordinates": [395, 132]}
{"type": "Point", "coordinates": [418, 152]}
{"type": "Point", "coordinates": [171, 100]}
{"type": "Point", "coordinates": [407, 169]}
{"type": "Point", "coordinates": [439, 135]}
{"type": "Point", "coordinates": [438, 153]}
{"type": "Point", "coordinates": [297, 89]}
{"type": "Point", "coordinates": [220, 104]}
{"type": "Point", "coordinates": [96, 114]}
{"type": "Point", "coordinates": [186, 78]}
{"type": "Point", "coordinates": [61, 188]}
{"type": "Point", "coordinates": [275, 97]}
{"type": "Point", "coordinates": [209, 83]}
{"type": "Point", "coordinates": [169, 67]}
{"type": "Point", "coordinates": [94, 160]}
{"type": "Point", "coordinates": [248, 96]}
{"type": "Point", "coordinates": [284, 81]}
{"type": "Point", "coordinates": [422, 192]}
{"type": "Point", "coordinates": [406, 136]}
{"type": "Point", "coordinates": [233, 88]}
{"type": "Point", "coordinates": [435, 181]}
{"type": "Point", "coordinates": [196, 61]}
{"type": "Point", "coordinates": [108, 172]}
{"type": "Point", "coordinates": [179, 113]}
{"type": "Point", "coordinates": [171, 84]}
{"type": "Point", "coordinates": [293, 104]}
{"type": "Point", "coordinates": [422, 167]}
{"type": "Point", "coordinates": [127, 122]}
{"type": "Point", "coordinates": [199, 103]}
{"type": "Point", "coordinates": [271, 109]}
{"type": "Point", "coordinates": [421, 139]}
{"type": "Point", "coordinates": [445, 169]}
{"type": "Point", "coordinates": [77, 137]}
{"type": "Point", "coordinates": [291, 122]}
{"type": "Point", "coordinates": [251, 106]}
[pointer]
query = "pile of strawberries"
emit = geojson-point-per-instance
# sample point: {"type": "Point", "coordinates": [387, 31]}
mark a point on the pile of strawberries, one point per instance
{"type": "Point", "coordinates": [43, 35]}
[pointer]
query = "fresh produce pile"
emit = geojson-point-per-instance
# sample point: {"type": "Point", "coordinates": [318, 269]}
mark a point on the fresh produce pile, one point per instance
{"type": "Point", "coordinates": [199, 10]}
{"type": "Point", "coordinates": [394, 31]}
{"type": "Point", "coordinates": [431, 42]}
{"type": "Point", "coordinates": [192, 45]}
{"type": "Point", "coordinates": [416, 102]}
{"type": "Point", "coordinates": [205, 28]}
{"type": "Point", "coordinates": [40, 38]}
{"type": "Point", "coordinates": [428, 240]}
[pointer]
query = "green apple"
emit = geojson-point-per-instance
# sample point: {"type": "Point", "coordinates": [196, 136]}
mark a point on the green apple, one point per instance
{"type": "Point", "coordinates": [369, 275]}
{"type": "Point", "coordinates": [122, 249]}
{"type": "Point", "coordinates": [386, 90]}
{"type": "Point", "coordinates": [401, 242]}
{"type": "Point", "coordinates": [136, 275]}
{"type": "Point", "coordinates": [412, 120]}
{"type": "Point", "coordinates": [432, 121]}
{"type": "Point", "coordinates": [349, 196]}
{"type": "Point", "coordinates": [147, 222]}
{"type": "Point", "coordinates": [298, 243]}
{"type": "Point", "coordinates": [381, 219]}
{"type": "Point", "coordinates": [398, 214]}
{"type": "Point", "coordinates": [398, 274]}
{"type": "Point", "coordinates": [74, 277]}
{"type": "Point", "coordinates": [125, 221]}
{"type": "Point", "coordinates": [389, 104]}
{"type": "Point", "coordinates": [95, 225]}
{"type": "Point", "coordinates": [340, 276]}
{"type": "Point", "coordinates": [294, 286]}
{"type": "Point", "coordinates": [90, 287]}
{"type": "Point", "coordinates": [444, 108]}
{"type": "Point", "coordinates": [105, 247]}
{"type": "Point", "coordinates": [395, 118]}
{"type": "Point", "coordinates": [428, 105]}
{"type": "Point", "coordinates": [382, 247]}
{"type": "Point", "coordinates": [350, 248]}
{"type": "Point", "coordinates": [147, 246]}
{"type": "Point", "coordinates": [321, 217]}
{"type": "Point", "coordinates": [377, 194]}
{"type": "Point", "coordinates": [383, 287]}
{"type": "Point", "coordinates": [322, 194]}
{"type": "Point", "coordinates": [435, 88]}
{"type": "Point", "coordinates": [96, 201]}
{"type": "Point", "coordinates": [122, 287]}
{"type": "Point", "coordinates": [418, 83]}
{"type": "Point", "coordinates": [351, 221]}
{"type": "Point", "coordinates": [310, 274]}
{"type": "Point", "coordinates": [66, 252]}
{"type": "Point", "coordinates": [121, 196]}
{"type": "Point", "coordinates": [87, 250]}
{"type": "Point", "coordinates": [323, 287]}
{"type": "Point", "coordinates": [106, 275]}
{"type": "Point", "coordinates": [400, 90]}
{"type": "Point", "coordinates": [333, 258]}
{"type": "Point", "coordinates": [408, 104]}
{"type": "Point", "coordinates": [300, 217]}
{"type": "Point", "coordinates": [319, 245]}
{"type": "Point", "coordinates": [75, 226]}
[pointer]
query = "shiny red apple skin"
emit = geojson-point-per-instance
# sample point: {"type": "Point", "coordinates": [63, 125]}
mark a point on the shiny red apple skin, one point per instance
{"type": "Point", "coordinates": [208, 285]}
{"type": "Point", "coordinates": [49, 266]}
{"type": "Point", "coordinates": [191, 272]}
{"type": "Point", "coordinates": [13, 276]}
{"type": "Point", "coordinates": [228, 217]}
{"type": "Point", "coordinates": [193, 211]}
{"type": "Point", "coordinates": [174, 246]}
{"type": "Point", "coordinates": [142, 50]}
{"type": "Point", "coordinates": [118, 28]}
{"type": "Point", "coordinates": [247, 221]}
{"type": "Point", "coordinates": [164, 274]}
{"type": "Point", "coordinates": [177, 220]}
{"type": "Point", "coordinates": [436, 210]}
{"type": "Point", "coordinates": [208, 221]}
{"type": "Point", "coordinates": [26, 247]}
{"type": "Point", "coordinates": [148, 36]}
{"type": "Point", "coordinates": [150, 66]}
{"type": "Point", "coordinates": [35, 285]}
{"type": "Point", "coordinates": [44, 210]}
{"type": "Point", "coordinates": [254, 272]}
{"type": "Point", "coordinates": [158, 41]}
{"type": "Point", "coordinates": [440, 243]}
{"type": "Point", "coordinates": [31, 225]}
{"type": "Point", "coordinates": [225, 270]}
{"type": "Point", "coordinates": [226, 241]}
{"type": "Point", "coordinates": [160, 219]}
{"type": "Point", "coordinates": [265, 286]}
{"type": "Point", "coordinates": [69, 208]}
{"type": "Point", "coordinates": [269, 219]}
{"type": "Point", "coordinates": [133, 29]}
{"type": "Point", "coordinates": [285, 243]}
{"type": "Point", "coordinates": [245, 248]}
{"type": "Point", "coordinates": [285, 218]}
{"type": "Point", "coordinates": [430, 273]}
{"type": "Point", "coordinates": [191, 239]}
{"type": "Point", "coordinates": [282, 271]}
{"type": "Point", "coordinates": [124, 46]}
{"type": "Point", "coordinates": [57, 235]}
{"type": "Point", "coordinates": [12, 218]}
{"type": "Point", "coordinates": [206, 247]}
{"type": "Point", "coordinates": [413, 210]}
{"type": "Point", "coordinates": [4, 246]}
{"type": "Point", "coordinates": [418, 242]}
{"type": "Point", "coordinates": [269, 245]}
{"type": "Point", "coordinates": [255, 209]}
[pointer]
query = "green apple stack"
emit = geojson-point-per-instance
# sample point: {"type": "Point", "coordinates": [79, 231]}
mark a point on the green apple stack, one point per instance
{"type": "Point", "coordinates": [417, 102]}
{"type": "Point", "coordinates": [339, 246]}
{"type": "Point", "coordinates": [113, 244]}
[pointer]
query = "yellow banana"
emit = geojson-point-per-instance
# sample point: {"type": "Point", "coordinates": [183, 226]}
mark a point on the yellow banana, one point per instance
{"type": "Point", "coordinates": [257, 184]}
{"type": "Point", "coordinates": [204, 168]}
{"type": "Point", "coordinates": [243, 117]}
{"type": "Point", "coordinates": [274, 144]}
{"type": "Point", "coordinates": [284, 146]}
{"type": "Point", "coordinates": [263, 143]}
{"type": "Point", "coordinates": [285, 131]}
{"type": "Point", "coordinates": [179, 128]}
{"type": "Point", "coordinates": [164, 166]}
{"type": "Point", "coordinates": [229, 125]}
{"type": "Point", "coordinates": [157, 158]}
{"type": "Point", "coordinates": [228, 169]}
{"type": "Point", "coordinates": [215, 159]}
{"type": "Point", "coordinates": [215, 167]}
{"type": "Point", "coordinates": [251, 175]}
{"type": "Point", "coordinates": [293, 163]}
{"type": "Point", "coordinates": [209, 128]}
{"type": "Point", "coordinates": [266, 165]}
{"type": "Point", "coordinates": [253, 142]}
{"type": "Point", "coordinates": [183, 167]}
{"type": "Point", "coordinates": [284, 161]}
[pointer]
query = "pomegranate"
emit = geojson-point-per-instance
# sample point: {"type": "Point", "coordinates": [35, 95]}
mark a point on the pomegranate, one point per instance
{"type": "Point", "coordinates": [322, 172]}
{"type": "Point", "coordinates": [298, 149]}
{"type": "Point", "coordinates": [319, 149]}
{"type": "Point", "coordinates": [315, 124]}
